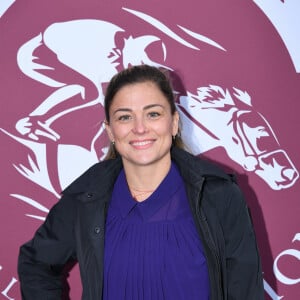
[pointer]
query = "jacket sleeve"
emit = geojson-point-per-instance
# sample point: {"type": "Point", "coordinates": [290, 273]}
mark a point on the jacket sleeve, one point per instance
{"type": "Point", "coordinates": [243, 266]}
{"type": "Point", "coordinates": [42, 260]}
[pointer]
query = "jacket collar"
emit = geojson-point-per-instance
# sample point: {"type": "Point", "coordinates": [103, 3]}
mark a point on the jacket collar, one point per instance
{"type": "Point", "coordinates": [100, 178]}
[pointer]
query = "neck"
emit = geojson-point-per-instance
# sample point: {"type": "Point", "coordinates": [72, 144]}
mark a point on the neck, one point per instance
{"type": "Point", "coordinates": [144, 180]}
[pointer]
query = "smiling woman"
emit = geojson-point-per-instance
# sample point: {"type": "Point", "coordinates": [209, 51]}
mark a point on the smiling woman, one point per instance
{"type": "Point", "coordinates": [151, 221]}
{"type": "Point", "coordinates": [141, 127]}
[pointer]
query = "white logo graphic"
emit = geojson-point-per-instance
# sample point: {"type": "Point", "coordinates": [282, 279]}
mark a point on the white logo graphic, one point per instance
{"type": "Point", "coordinates": [4, 6]}
{"type": "Point", "coordinates": [96, 57]}
{"type": "Point", "coordinates": [213, 116]}
{"type": "Point", "coordinates": [289, 252]}
{"type": "Point", "coordinates": [223, 119]}
{"type": "Point", "coordinates": [284, 15]}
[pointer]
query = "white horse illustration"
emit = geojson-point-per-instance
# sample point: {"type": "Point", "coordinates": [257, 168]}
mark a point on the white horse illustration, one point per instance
{"type": "Point", "coordinates": [95, 57]}
{"type": "Point", "coordinates": [214, 117]}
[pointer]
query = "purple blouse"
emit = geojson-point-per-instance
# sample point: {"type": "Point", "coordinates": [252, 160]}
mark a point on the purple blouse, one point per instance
{"type": "Point", "coordinates": [152, 249]}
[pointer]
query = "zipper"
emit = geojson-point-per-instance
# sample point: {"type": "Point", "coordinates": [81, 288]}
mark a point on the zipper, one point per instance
{"type": "Point", "coordinates": [213, 259]}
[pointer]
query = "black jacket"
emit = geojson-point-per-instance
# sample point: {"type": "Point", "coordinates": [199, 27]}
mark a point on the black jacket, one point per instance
{"type": "Point", "coordinates": [74, 230]}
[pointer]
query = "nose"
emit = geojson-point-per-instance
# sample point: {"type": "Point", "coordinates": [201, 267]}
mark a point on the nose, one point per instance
{"type": "Point", "coordinates": [139, 125]}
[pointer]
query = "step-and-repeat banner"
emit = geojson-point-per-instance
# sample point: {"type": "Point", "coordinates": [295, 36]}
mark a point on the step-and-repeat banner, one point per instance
{"type": "Point", "coordinates": [236, 67]}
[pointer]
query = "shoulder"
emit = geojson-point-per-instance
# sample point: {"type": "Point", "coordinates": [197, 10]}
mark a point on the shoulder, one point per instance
{"type": "Point", "coordinates": [195, 167]}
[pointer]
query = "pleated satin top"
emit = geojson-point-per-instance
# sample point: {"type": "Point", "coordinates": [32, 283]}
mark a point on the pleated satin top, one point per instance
{"type": "Point", "coordinates": [152, 249]}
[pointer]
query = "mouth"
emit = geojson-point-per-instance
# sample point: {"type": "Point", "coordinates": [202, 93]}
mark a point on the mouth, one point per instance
{"type": "Point", "coordinates": [141, 144]}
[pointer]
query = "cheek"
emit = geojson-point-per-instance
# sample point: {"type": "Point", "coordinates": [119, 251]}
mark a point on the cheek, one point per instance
{"type": "Point", "coordinates": [120, 132]}
{"type": "Point", "coordinates": [164, 130]}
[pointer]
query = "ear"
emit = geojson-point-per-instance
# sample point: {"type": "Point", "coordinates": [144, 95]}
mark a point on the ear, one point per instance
{"type": "Point", "coordinates": [109, 132]}
{"type": "Point", "coordinates": [175, 125]}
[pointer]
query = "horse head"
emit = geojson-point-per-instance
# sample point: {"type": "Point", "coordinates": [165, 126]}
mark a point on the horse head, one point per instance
{"type": "Point", "coordinates": [220, 118]}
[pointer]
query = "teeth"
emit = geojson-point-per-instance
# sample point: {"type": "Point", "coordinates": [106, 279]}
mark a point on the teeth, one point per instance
{"type": "Point", "coordinates": [141, 143]}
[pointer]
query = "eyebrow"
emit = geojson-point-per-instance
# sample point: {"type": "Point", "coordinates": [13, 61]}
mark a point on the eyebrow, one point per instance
{"type": "Point", "coordinates": [130, 110]}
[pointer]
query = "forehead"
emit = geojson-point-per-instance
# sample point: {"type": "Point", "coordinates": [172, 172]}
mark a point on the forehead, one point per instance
{"type": "Point", "coordinates": [139, 95]}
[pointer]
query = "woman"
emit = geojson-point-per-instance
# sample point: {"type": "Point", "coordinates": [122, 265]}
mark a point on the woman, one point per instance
{"type": "Point", "coordinates": [151, 221]}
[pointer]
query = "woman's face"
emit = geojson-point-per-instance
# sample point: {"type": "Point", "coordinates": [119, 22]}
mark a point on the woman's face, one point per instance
{"type": "Point", "coordinates": [142, 125]}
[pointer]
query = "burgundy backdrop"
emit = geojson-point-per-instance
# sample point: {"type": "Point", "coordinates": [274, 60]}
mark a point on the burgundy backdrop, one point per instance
{"type": "Point", "coordinates": [236, 71]}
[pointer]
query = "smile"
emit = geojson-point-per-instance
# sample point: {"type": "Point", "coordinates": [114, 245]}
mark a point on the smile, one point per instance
{"type": "Point", "coordinates": [141, 143]}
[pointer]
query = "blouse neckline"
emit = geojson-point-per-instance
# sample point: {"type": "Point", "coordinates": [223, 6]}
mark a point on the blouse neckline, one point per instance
{"type": "Point", "coordinates": [125, 203]}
